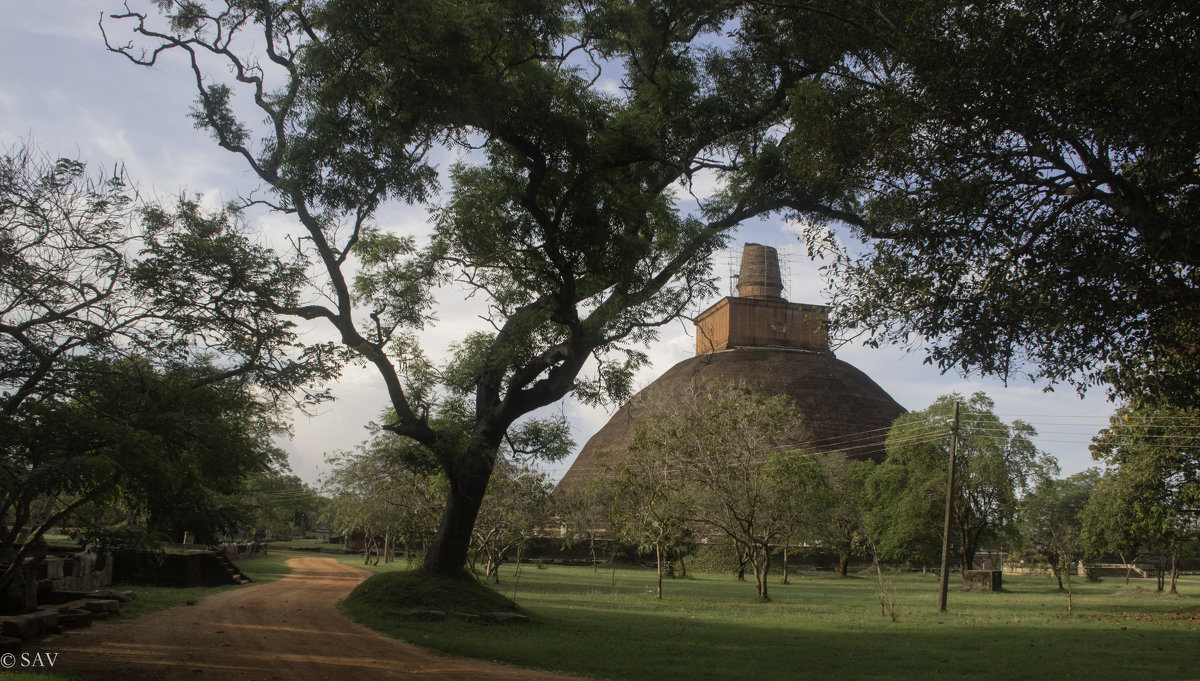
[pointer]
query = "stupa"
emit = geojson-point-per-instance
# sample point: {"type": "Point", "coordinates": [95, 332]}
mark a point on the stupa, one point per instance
{"type": "Point", "coordinates": [775, 346]}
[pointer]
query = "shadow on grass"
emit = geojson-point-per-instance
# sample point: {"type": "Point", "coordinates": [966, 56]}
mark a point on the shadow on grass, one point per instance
{"type": "Point", "coordinates": [815, 629]}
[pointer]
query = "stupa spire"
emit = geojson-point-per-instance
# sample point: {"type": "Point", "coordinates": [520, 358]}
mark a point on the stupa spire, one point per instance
{"type": "Point", "coordinates": [758, 276]}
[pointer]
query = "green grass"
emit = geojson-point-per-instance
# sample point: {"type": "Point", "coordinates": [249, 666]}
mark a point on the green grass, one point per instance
{"type": "Point", "coordinates": [416, 590]}
{"type": "Point", "coordinates": [153, 598]}
{"type": "Point", "coordinates": [266, 569]}
{"type": "Point", "coordinates": [711, 627]}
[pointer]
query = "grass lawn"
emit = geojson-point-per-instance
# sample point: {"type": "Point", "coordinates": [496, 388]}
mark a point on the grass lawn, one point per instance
{"type": "Point", "coordinates": [820, 627]}
{"type": "Point", "coordinates": [151, 598]}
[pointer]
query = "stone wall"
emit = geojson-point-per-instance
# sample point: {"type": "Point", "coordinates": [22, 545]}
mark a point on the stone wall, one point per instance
{"type": "Point", "coordinates": [84, 571]}
{"type": "Point", "coordinates": [236, 551]}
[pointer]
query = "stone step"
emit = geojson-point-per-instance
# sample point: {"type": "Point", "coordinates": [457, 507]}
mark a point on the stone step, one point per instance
{"type": "Point", "coordinates": [75, 618]}
{"type": "Point", "coordinates": [29, 625]}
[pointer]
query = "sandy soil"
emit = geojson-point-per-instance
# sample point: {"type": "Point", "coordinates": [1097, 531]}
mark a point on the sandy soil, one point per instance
{"type": "Point", "coordinates": [287, 630]}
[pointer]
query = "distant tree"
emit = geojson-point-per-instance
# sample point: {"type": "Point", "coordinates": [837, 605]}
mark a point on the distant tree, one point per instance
{"type": "Point", "coordinates": [383, 492]}
{"type": "Point", "coordinates": [516, 506]}
{"type": "Point", "coordinates": [908, 490]}
{"type": "Point", "coordinates": [842, 505]}
{"type": "Point", "coordinates": [583, 514]}
{"type": "Point", "coordinates": [1028, 186]}
{"type": "Point", "coordinates": [1050, 521]}
{"type": "Point", "coordinates": [797, 482]}
{"type": "Point", "coordinates": [565, 221]}
{"type": "Point", "coordinates": [279, 505]}
{"type": "Point", "coordinates": [1153, 451]}
{"type": "Point", "coordinates": [649, 508]}
{"type": "Point", "coordinates": [718, 439]}
{"type": "Point", "coordinates": [1111, 523]}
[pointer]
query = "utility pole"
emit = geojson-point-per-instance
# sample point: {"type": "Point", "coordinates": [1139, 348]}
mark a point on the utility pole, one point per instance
{"type": "Point", "coordinates": [945, 574]}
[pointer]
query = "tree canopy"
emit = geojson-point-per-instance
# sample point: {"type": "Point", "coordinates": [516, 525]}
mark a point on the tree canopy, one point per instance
{"type": "Point", "coordinates": [716, 442]}
{"type": "Point", "coordinates": [1028, 184]}
{"type": "Point", "coordinates": [97, 402]}
{"type": "Point", "coordinates": [580, 128]}
{"type": "Point", "coordinates": [1051, 519]}
{"type": "Point", "coordinates": [1151, 498]}
{"type": "Point", "coordinates": [908, 490]}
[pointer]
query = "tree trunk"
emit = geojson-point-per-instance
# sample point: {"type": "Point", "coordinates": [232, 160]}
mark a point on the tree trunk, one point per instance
{"type": "Point", "coordinates": [761, 562]}
{"type": "Point", "coordinates": [1057, 570]}
{"type": "Point", "coordinates": [448, 554]}
{"type": "Point", "coordinates": [843, 563]}
{"type": "Point", "coordinates": [1175, 556]}
{"type": "Point", "coordinates": [785, 564]}
{"type": "Point", "coordinates": [967, 563]}
{"type": "Point", "coordinates": [743, 558]}
{"type": "Point", "coordinates": [658, 562]}
{"type": "Point", "coordinates": [1070, 588]}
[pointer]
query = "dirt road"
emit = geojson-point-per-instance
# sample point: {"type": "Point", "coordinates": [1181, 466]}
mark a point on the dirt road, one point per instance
{"type": "Point", "coordinates": [287, 630]}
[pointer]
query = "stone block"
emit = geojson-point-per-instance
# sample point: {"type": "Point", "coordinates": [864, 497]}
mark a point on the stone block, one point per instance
{"type": "Point", "coordinates": [123, 596]}
{"type": "Point", "coordinates": [75, 618]}
{"type": "Point", "coordinates": [102, 605]}
{"type": "Point", "coordinates": [983, 580]}
{"type": "Point", "coordinates": [506, 618]}
{"type": "Point", "coordinates": [29, 625]}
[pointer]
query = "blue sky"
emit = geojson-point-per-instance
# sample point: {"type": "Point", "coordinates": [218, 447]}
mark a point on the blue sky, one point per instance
{"type": "Point", "coordinates": [62, 90]}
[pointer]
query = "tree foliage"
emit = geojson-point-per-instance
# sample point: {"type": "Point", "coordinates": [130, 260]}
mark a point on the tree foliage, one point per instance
{"type": "Point", "coordinates": [1028, 184]}
{"type": "Point", "coordinates": [64, 275]}
{"type": "Point", "coordinates": [1152, 485]}
{"type": "Point", "coordinates": [517, 505]}
{"type": "Point", "coordinates": [1051, 519]}
{"type": "Point", "coordinates": [823, 501]}
{"type": "Point", "coordinates": [583, 126]}
{"type": "Point", "coordinates": [718, 440]}
{"type": "Point", "coordinates": [908, 490]}
{"type": "Point", "coordinates": [648, 508]}
{"type": "Point", "coordinates": [163, 447]}
{"type": "Point", "coordinates": [279, 505]}
{"type": "Point", "coordinates": [583, 512]}
{"type": "Point", "coordinates": [385, 492]}
{"type": "Point", "coordinates": [96, 402]}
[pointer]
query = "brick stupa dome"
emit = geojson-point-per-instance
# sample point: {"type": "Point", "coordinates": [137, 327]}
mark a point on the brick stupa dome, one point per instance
{"type": "Point", "coordinates": [775, 346]}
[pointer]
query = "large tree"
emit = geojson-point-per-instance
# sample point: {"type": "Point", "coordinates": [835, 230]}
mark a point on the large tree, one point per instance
{"type": "Point", "coordinates": [64, 273]}
{"type": "Point", "coordinates": [96, 402]}
{"type": "Point", "coordinates": [1050, 520]}
{"type": "Point", "coordinates": [718, 440]}
{"type": "Point", "coordinates": [163, 445]}
{"type": "Point", "coordinates": [584, 124]}
{"type": "Point", "coordinates": [1153, 454]}
{"type": "Point", "coordinates": [1028, 184]}
{"type": "Point", "coordinates": [994, 463]}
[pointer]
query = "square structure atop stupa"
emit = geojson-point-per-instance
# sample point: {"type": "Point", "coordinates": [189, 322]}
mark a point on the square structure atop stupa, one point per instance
{"type": "Point", "coordinates": [759, 316]}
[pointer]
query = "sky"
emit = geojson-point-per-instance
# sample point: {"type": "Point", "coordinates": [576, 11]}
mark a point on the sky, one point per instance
{"type": "Point", "coordinates": [63, 92]}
